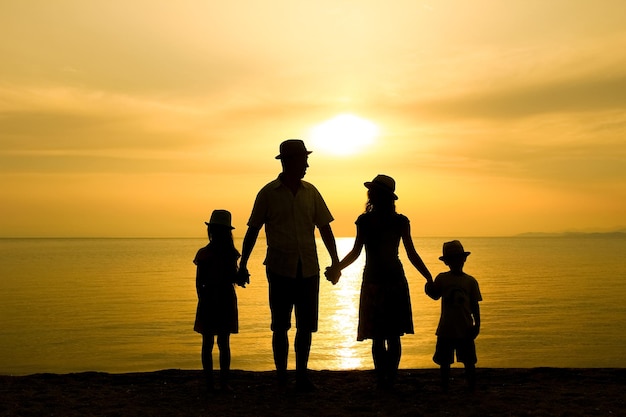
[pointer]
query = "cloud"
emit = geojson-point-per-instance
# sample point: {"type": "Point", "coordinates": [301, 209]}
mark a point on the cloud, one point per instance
{"type": "Point", "coordinates": [33, 118]}
{"type": "Point", "coordinates": [569, 96]}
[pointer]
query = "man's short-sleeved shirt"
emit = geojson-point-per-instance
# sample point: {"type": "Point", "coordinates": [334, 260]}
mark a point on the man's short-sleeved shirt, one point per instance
{"type": "Point", "coordinates": [290, 222]}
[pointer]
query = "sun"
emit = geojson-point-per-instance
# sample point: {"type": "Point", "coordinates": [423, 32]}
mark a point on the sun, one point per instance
{"type": "Point", "coordinates": [344, 134]}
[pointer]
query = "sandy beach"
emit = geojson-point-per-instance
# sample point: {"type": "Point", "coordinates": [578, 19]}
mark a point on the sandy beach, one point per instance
{"type": "Point", "coordinates": [501, 392]}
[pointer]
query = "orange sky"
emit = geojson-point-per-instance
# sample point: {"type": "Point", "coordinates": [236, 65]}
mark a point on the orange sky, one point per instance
{"type": "Point", "coordinates": [138, 118]}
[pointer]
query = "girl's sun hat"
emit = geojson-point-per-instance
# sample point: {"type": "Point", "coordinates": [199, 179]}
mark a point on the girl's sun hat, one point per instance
{"type": "Point", "coordinates": [220, 218]}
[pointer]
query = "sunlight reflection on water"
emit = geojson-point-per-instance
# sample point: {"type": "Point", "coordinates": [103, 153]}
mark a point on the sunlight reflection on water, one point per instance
{"type": "Point", "coordinates": [340, 308]}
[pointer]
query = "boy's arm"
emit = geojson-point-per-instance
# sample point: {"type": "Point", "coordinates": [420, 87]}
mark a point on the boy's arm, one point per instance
{"type": "Point", "coordinates": [476, 315]}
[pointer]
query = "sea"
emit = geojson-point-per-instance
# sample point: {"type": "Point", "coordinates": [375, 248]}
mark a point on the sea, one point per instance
{"type": "Point", "coordinates": [128, 305]}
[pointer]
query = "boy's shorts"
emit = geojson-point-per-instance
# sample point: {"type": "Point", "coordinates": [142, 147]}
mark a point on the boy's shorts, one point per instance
{"type": "Point", "coordinates": [285, 293]}
{"type": "Point", "coordinates": [465, 351]}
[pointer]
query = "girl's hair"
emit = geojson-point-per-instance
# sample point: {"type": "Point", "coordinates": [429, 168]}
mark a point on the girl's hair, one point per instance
{"type": "Point", "coordinates": [380, 201]}
{"type": "Point", "coordinates": [221, 236]}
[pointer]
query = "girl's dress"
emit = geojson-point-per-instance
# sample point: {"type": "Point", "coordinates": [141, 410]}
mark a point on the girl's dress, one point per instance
{"type": "Point", "coordinates": [385, 304]}
{"type": "Point", "coordinates": [217, 301]}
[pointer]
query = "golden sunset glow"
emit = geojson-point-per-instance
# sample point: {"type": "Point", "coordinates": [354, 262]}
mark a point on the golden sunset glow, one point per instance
{"type": "Point", "coordinates": [345, 134]}
{"type": "Point", "coordinates": [139, 118]}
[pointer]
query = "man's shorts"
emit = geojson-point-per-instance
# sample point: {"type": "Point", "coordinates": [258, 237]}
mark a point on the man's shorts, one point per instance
{"type": "Point", "coordinates": [465, 351]}
{"type": "Point", "coordinates": [285, 293]}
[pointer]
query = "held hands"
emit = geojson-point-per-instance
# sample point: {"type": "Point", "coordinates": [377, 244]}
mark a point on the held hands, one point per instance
{"type": "Point", "coordinates": [243, 277]}
{"type": "Point", "coordinates": [333, 274]}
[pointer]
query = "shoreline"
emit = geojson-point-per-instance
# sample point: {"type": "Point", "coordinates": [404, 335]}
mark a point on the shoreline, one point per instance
{"type": "Point", "coordinates": [173, 392]}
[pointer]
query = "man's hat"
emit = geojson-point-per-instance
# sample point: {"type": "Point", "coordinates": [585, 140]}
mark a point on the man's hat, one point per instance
{"type": "Point", "coordinates": [453, 249]}
{"type": "Point", "coordinates": [383, 183]}
{"type": "Point", "coordinates": [220, 218]}
{"type": "Point", "coordinates": [292, 147]}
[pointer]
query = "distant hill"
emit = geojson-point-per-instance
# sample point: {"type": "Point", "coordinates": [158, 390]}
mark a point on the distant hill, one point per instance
{"type": "Point", "coordinates": [618, 233]}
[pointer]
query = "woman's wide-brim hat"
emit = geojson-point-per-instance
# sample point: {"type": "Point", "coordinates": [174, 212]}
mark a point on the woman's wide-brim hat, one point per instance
{"type": "Point", "coordinates": [383, 183]}
{"type": "Point", "coordinates": [453, 249]}
{"type": "Point", "coordinates": [292, 147]}
{"type": "Point", "coordinates": [220, 218]}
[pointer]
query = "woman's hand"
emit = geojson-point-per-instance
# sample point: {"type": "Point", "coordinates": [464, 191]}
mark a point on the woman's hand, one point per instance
{"type": "Point", "coordinates": [333, 274]}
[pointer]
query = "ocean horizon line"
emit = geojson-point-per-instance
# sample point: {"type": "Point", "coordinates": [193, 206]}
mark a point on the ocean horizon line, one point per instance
{"type": "Point", "coordinates": [616, 233]}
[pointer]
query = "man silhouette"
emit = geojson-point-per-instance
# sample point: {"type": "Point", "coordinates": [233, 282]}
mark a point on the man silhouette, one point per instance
{"type": "Point", "coordinates": [290, 209]}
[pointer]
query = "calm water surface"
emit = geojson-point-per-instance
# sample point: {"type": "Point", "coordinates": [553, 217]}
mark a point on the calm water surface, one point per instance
{"type": "Point", "coordinates": [126, 305]}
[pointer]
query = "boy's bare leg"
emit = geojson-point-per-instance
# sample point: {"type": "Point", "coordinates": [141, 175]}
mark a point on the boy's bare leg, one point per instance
{"type": "Point", "coordinates": [445, 377]}
{"type": "Point", "coordinates": [470, 376]}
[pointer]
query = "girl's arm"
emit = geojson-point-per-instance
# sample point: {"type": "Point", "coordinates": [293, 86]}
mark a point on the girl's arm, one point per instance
{"type": "Point", "coordinates": [198, 283]}
{"type": "Point", "coordinates": [413, 256]}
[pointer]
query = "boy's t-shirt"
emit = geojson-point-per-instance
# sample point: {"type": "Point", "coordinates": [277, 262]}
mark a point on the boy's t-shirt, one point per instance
{"type": "Point", "coordinates": [458, 293]}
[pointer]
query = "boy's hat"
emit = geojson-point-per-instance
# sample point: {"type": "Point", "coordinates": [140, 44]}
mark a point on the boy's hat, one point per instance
{"type": "Point", "coordinates": [292, 147]}
{"type": "Point", "coordinates": [220, 218]}
{"type": "Point", "coordinates": [383, 183]}
{"type": "Point", "coordinates": [453, 249]}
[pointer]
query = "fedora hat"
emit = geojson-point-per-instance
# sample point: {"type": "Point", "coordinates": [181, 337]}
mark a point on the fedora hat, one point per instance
{"type": "Point", "coordinates": [453, 249]}
{"type": "Point", "coordinates": [220, 218]}
{"type": "Point", "coordinates": [383, 183]}
{"type": "Point", "coordinates": [292, 147]}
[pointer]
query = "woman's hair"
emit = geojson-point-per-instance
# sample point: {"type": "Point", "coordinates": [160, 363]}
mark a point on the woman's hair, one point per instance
{"type": "Point", "coordinates": [380, 201]}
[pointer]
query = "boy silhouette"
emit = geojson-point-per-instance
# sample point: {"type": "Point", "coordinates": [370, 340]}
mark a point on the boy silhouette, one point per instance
{"type": "Point", "coordinates": [459, 323]}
